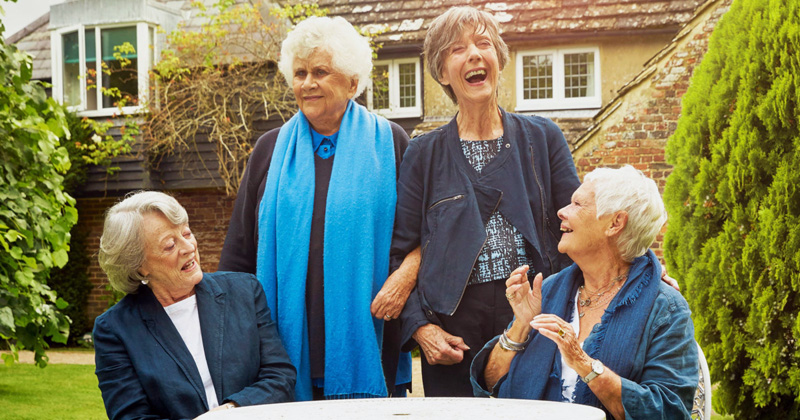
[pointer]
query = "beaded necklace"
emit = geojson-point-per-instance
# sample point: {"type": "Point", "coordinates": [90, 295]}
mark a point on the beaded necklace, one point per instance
{"type": "Point", "coordinates": [596, 299]}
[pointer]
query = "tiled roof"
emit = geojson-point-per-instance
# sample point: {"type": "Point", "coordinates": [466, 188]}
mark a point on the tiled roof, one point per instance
{"type": "Point", "coordinates": [35, 40]}
{"type": "Point", "coordinates": [406, 21]}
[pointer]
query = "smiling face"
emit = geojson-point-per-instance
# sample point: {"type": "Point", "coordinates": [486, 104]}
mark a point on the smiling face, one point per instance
{"type": "Point", "coordinates": [583, 233]}
{"type": "Point", "coordinates": [321, 92]}
{"type": "Point", "coordinates": [471, 68]}
{"type": "Point", "coordinates": [172, 263]}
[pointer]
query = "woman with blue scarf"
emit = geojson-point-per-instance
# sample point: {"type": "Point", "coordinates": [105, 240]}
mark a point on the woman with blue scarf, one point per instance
{"type": "Point", "coordinates": [605, 331]}
{"type": "Point", "coordinates": [313, 220]}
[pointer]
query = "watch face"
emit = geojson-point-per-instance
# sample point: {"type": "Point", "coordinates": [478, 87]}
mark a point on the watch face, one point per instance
{"type": "Point", "coordinates": [597, 367]}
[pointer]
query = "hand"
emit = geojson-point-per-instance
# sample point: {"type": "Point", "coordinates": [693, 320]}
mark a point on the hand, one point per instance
{"type": "Point", "coordinates": [549, 325]}
{"type": "Point", "coordinates": [390, 300]}
{"type": "Point", "coordinates": [439, 347]}
{"type": "Point", "coordinates": [525, 302]}
{"type": "Point", "coordinates": [669, 280]}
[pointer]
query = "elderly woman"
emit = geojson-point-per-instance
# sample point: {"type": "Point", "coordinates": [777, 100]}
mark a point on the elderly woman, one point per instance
{"type": "Point", "coordinates": [605, 331]}
{"type": "Point", "coordinates": [314, 216]}
{"type": "Point", "coordinates": [181, 342]}
{"type": "Point", "coordinates": [480, 195]}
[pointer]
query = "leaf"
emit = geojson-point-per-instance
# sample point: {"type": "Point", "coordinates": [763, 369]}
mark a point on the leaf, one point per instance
{"type": "Point", "coordinates": [60, 257]}
{"type": "Point", "coordinates": [61, 303]}
{"type": "Point", "coordinates": [7, 318]}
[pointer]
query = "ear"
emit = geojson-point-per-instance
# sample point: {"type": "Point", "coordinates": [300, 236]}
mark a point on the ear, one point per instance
{"type": "Point", "coordinates": [617, 222]}
{"type": "Point", "coordinates": [353, 87]}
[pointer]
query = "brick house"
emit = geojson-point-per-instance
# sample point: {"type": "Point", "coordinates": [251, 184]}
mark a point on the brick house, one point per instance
{"type": "Point", "coordinates": [609, 72]}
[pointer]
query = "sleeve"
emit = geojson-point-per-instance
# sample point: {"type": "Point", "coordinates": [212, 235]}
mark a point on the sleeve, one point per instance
{"type": "Point", "coordinates": [277, 375]}
{"type": "Point", "coordinates": [122, 391]}
{"type": "Point", "coordinates": [401, 141]}
{"type": "Point", "coordinates": [406, 237]}
{"type": "Point", "coordinates": [563, 175]}
{"type": "Point", "coordinates": [478, 367]}
{"type": "Point", "coordinates": [241, 243]}
{"type": "Point", "coordinates": [670, 373]}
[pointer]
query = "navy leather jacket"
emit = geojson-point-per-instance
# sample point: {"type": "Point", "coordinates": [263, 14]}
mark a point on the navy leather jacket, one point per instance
{"type": "Point", "coordinates": [443, 205]}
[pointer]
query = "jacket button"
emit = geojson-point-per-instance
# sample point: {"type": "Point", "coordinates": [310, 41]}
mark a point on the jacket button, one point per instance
{"type": "Point", "coordinates": [430, 312]}
{"type": "Point", "coordinates": [508, 145]}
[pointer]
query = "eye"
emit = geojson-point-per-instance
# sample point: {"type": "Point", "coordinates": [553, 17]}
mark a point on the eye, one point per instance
{"type": "Point", "coordinates": [300, 73]}
{"type": "Point", "coordinates": [320, 72]}
{"type": "Point", "coordinates": [484, 43]}
{"type": "Point", "coordinates": [187, 233]}
{"type": "Point", "coordinates": [170, 246]}
{"type": "Point", "coordinates": [456, 48]}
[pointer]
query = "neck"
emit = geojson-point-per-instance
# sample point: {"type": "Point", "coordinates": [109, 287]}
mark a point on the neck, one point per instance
{"type": "Point", "coordinates": [169, 297]}
{"type": "Point", "coordinates": [601, 270]}
{"type": "Point", "coordinates": [479, 121]}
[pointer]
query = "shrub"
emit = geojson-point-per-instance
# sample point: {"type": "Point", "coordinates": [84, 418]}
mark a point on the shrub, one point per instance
{"type": "Point", "coordinates": [734, 204]}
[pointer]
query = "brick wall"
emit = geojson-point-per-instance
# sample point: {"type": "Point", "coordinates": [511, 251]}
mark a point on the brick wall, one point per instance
{"type": "Point", "coordinates": [634, 128]}
{"type": "Point", "coordinates": [209, 212]}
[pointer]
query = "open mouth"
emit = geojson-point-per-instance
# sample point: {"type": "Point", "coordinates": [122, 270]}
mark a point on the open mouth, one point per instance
{"type": "Point", "coordinates": [565, 229]}
{"type": "Point", "coordinates": [476, 76]}
{"type": "Point", "coordinates": [189, 265]}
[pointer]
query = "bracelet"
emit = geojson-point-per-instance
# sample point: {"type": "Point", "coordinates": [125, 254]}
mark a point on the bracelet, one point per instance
{"type": "Point", "coordinates": [509, 344]}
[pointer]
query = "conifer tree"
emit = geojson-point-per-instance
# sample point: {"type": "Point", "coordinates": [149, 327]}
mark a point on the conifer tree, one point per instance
{"type": "Point", "coordinates": [734, 204]}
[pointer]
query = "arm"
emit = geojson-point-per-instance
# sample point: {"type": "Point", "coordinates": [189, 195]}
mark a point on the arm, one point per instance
{"type": "Point", "coordinates": [563, 176]}
{"type": "Point", "coordinates": [122, 391]}
{"type": "Point", "coordinates": [391, 299]}
{"type": "Point", "coordinates": [276, 375]}
{"type": "Point", "coordinates": [241, 246]}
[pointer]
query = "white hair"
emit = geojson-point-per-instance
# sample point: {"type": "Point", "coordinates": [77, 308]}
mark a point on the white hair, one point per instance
{"type": "Point", "coordinates": [629, 190]}
{"type": "Point", "coordinates": [122, 245]}
{"type": "Point", "coordinates": [350, 52]}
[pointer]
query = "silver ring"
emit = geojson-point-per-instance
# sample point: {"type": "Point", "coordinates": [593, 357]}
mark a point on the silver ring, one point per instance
{"type": "Point", "coordinates": [387, 318]}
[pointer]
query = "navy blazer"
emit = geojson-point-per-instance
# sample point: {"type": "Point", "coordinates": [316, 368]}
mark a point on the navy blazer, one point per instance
{"type": "Point", "coordinates": [145, 370]}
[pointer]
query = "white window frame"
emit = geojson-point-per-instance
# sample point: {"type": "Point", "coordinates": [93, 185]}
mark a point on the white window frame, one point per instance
{"type": "Point", "coordinates": [143, 66]}
{"type": "Point", "coordinates": [394, 110]}
{"type": "Point", "coordinates": [558, 101]}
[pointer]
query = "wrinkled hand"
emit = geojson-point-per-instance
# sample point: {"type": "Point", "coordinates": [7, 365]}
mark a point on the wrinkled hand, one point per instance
{"type": "Point", "coordinates": [548, 325]}
{"type": "Point", "coordinates": [439, 347]}
{"type": "Point", "coordinates": [525, 302]}
{"type": "Point", "coordinates": [391, 299]}
{"type": "Point", "coordinates": [669, 280]}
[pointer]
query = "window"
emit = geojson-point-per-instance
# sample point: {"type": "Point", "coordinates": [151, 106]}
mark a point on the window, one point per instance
{"type": "Point", "coordinates": [88, 61]}
{"type": "Point", "coordinates": [558, 79]}
{"type": "Point", "coordinates": [395, 90]}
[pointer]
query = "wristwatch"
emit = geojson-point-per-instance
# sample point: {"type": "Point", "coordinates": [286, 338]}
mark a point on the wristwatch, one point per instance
{"type": "Point", "coordinates": [597, 370]}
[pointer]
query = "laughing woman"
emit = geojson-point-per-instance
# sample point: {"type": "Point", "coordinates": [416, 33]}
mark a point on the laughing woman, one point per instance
{"type": "Point", "coordinates": [480, 196]}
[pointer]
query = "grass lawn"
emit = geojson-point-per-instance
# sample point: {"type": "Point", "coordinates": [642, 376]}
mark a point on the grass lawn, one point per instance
{"type": "Point", "coordinates": [55, 392]}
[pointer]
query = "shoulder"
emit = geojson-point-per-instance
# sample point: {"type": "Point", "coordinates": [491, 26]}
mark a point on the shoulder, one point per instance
{"type": "Point", "coordinates": [121, 313]}
{"type": "Point", "coordinates": [546, 126]}
{"type": "Point", "coordinates": [399, 136]}
{"type": "Point", "coordinates": [265, 144]}
{"type": "Point", "coordinates": [669, 308]}
{"type": "Point", "coordinates": [232, 282]}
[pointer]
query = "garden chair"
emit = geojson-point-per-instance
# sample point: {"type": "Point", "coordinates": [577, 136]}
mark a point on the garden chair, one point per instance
{"type": "Point", "coordinates": [701, 410]}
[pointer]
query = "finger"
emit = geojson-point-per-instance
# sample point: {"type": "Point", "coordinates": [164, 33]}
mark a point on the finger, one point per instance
{"type": "Point", "coordinates": [457, 342]}
{"type": "Point", "coordinates": [517, 276]}
{"type": "Point", "coordinates": [451, 357]}
{"type": "Point", "coordinates": [374, 306]}
{"type": "Point", "coordinates": [537, 284]}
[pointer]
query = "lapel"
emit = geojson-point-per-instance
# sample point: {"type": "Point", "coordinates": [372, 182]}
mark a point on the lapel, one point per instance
{"type": "Point", "coordinates": [164, 332]}
{"type": "Point", "coordinates": [211, 308]}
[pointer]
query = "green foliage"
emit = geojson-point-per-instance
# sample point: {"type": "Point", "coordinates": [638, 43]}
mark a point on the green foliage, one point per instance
{"type": "Point", "coordinates": [72, 284]}
{"type": "Point", "coordinates": [35, 214]}
{"type": "Point", "coordinates": [734, 204]}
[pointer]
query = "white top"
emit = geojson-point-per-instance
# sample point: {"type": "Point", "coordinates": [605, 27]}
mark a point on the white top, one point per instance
{"type": "Point", "coordinates": [569, 377]}
{"type": "Point", "coordinates": [186, 319]}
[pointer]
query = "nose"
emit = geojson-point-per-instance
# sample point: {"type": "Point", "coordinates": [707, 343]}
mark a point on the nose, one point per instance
{"type": "Point", "coordinates": [473, 52]}
{"type": "Point", "coordinates": [188, 246]}
{"type": "Point", "coordinates": [308, 82]}
{"type": "Point", "coordinates": [562, 212]}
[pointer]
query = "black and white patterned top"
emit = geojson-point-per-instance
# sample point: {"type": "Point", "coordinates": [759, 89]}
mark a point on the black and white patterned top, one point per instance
{"type": "Point", "coordinates": [504, 249]}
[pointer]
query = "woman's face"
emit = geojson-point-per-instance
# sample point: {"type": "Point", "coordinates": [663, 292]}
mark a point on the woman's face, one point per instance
{"type": "Point", "coordinates": [321, 92]}
{"type": "Point", "coordinates": [171, 260]}
{"type": "Point", "coordinates": [582, 231]}
{"type": "Point", "coordinates": [472, 68]}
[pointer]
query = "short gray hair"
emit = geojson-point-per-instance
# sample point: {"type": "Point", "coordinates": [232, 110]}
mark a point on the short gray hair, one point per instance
{"type": "Point", "coordinates": [122, 245]}
{"type": "Point", "coordinates": [446, 29]}
{"type": "Point", "coordinates": [628, 189]}
{"type": "Point", "coordinates": [350, 51]}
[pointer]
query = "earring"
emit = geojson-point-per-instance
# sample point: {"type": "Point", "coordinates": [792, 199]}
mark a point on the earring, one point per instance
{"type": "Point", "coordinates": [145, 281]}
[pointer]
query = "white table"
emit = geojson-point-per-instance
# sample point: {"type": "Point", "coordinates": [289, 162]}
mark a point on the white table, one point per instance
{"type": "Point", "coordinates": [412, 408]}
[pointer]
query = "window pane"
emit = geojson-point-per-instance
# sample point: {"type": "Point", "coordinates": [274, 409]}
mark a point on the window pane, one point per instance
{"type": "Point", "coordinates": [91, 68]}
{"type": "Point", "coordinates": [408, 85]}
{"type": "Point", "coordinates": [537, 77]}
{"type": "Point", "coordinates": [380, 87]}
{"type": "Point", "coordinates": [579, 75]}
{"type": "Point", "coordinates": [122, 81]}
{"type": "Point", "coordinates": [72, 69]}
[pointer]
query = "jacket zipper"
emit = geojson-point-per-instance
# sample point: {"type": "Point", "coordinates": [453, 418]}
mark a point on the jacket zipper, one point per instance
{"type": "Point", "coordinates": [545, 225]}
{"type": "Point", "coordinates": [444, 200]}
{"type": "Point", "coordinates": [475, 260]}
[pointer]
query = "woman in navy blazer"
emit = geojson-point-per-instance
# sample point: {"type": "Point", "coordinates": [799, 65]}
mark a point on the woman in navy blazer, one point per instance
{"type": "Point", "coordinates": [182, 342]}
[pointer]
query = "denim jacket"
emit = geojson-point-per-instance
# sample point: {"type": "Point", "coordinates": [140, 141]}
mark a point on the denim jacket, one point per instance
{"type": "Point", "coordinates": [443, 205]}
{"type": "Point", "coordinates": [666, 370]}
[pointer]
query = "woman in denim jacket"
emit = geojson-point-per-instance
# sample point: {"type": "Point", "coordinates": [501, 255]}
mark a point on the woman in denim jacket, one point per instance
{"type": "Point", "coordinates": [605, 331]}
